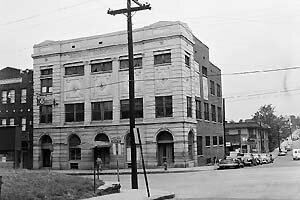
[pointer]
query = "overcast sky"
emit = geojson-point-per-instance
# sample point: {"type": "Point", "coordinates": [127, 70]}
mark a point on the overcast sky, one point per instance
{"type": "Point", "coordinates": [242, 35]}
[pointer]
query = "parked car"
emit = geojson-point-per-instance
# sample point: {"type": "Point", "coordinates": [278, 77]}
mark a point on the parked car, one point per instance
{"type": "Point", "coordinates": [296, 154]}
{"type": "Point", "coordinates": [258, 158]}
{"type": "Point", "coordinates": [248, 159]}
{"type": "Point", "coordinates": [281, 153]}
{"type": "Point", "coordinates": [265, 159]}
{"type": "Point", "coordinates": [229, 162]}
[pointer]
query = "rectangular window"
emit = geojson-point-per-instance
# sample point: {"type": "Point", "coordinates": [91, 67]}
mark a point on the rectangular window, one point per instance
{"type": "Point", "coordinates": [46, 114]}
{"type": "Point", "coordinates": [102, 110]}
{"type": "Point", "coordinates": [198, 109]}
{"type": "Point", "coordinates": [11, 121]}
{"type": "Point", "coordinates": [187, 60]}
{"type": "Point", "coordinates": [212, 87]}
{"type": "Point", "coordinates": [189, 106]}
{"type": "Point", "coordinates": [204, 71]}
{"type": "Point", "coordinates": [74, 70]}
{"type": "Point", "coordinates": [12, 96]}
{"type": "Point", "coordinates": [218, 90]}
{"type": "Point", "coordinates": [162, 59]}
{"type": "Point", "coordinates": [215, 140]}
{"type": "Point", "coordinates": [4, 97]}
{"type": "Point", "coordinates": [163, 106]}
{"type": "Point", "coordinates": [207, 141]}
{"type": "Point", "coordinates": [74, 112]}
{"type": "Point", "coordinates": [23, 95]}
{"type": "Point", "coordinates": [23, 124]}
{"type": "Point", "coordinates": [199, 145]}
{"type": "Point", "coordinates": [213, 113]}
{"type": "Point", "coordinates": [101, 67]}
{"type": "Point", "coordinates": [220, 115]}
{"type": "Point", "coordinates": [221, 141]}
{"type": "Point", "coordinates": [75, 153]}
{"type": "Point", "coordinates": [46, 85]}
{"type": "Point", "coordinates": [138, 108]}
{"type": "Point", "coordinates": [46, 72]}
{"type": "Point", "coordinates": [137, 62]}
{"type": "Point", "coordinates": [3, 122]}
{"type": "Point", "coordinates": [206, 111]}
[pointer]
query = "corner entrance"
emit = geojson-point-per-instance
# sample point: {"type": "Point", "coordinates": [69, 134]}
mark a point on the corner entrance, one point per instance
{"type": "Point", "coordinates": [102, 149]}
{"type": "Point", "coordinates": [165, 148]}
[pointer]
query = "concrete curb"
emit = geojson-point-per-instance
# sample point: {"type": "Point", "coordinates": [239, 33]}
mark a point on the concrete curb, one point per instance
{"type": "Point", "coordinates": [84, 173]}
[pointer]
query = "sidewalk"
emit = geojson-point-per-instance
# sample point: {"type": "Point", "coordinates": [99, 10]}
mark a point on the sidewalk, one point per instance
{"type": "Point", "coordinates": [140, 171]}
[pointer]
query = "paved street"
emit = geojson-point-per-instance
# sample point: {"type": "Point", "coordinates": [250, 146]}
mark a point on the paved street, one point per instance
{"type": "Point", "coordinates": [280, 180]}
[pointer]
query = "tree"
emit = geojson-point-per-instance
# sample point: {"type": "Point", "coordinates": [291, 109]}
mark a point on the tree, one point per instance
{"type": "Point", "coordinates": [266, 115]}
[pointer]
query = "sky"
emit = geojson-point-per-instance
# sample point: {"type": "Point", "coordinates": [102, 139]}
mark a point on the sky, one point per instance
{"type": "Point", "coordinates": [242, 36]}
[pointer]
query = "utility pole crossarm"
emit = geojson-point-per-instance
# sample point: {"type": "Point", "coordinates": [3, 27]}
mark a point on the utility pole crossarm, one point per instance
{"type": "Point", "coordinates": [132, 9]}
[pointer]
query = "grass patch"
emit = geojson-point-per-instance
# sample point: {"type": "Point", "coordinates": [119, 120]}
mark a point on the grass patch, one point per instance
{"type": "Point", "coordinates": [36, 185]}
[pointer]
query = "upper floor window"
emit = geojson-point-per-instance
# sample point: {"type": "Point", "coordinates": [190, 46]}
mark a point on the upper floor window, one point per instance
{"type": "Point", "coordinates": [23, 124]}
{"type": "Point", "coordinates": [46, 72]}
{"type": "Point", "coordinates": [101, 67]}
{"type": "Point", "coordinates": [3, 122]}
{"type": "Point", "coordinates": [74, 70]}
{"type": "Point", "coordinates": [213, 113]}
{"type": "Point", "coordinates": [12, 96]}
{"type": "Point", "coordinates": [162, 58]}
{"type": "Point", "coordinates": [74, 112]}
{"type": "Point", "coordinates": [102, 110]}
{"type": "Point", "coordinates": [218, 90]}
{"type": "Point", "coordinates": [46, 114]}
{"type": "Point", "coordinates": [189, 106]}
{"type": "Point", "coordinates": [199, 145]}
{"type": "Point", "coordinates": [137, 62]}
{"type": "Point", "coordinates": [215, 140]}
{"type": "Point", "coordinates": [206, 111]}
{"type": "Point", "coordinates": [4, 97]}
{"type": "Point", "coordinates": [163, 106]}
{"type": "Point", "coordinates": [212, 87]}
{"type": "Point", "coordinates": [220, 115]}
{"type": "Point", "coordinates": [204, 71]}
{"type": "Point", "coordinates": [46, 85]}
{"type": "Point", "coordinates": [23, 95]}
{"type": "Point", "coordinates": [11, 121]}
{"type": "Point", "coordinates": [198, 109]}
{"type": "Point", "coordinates": [221, 140]}
{"type": "Point", "coordinates": [187, 60]}
{"type": "Point", "coordinates": [207, 141]}
{"type": "Point", "coordinates": [138, 108]}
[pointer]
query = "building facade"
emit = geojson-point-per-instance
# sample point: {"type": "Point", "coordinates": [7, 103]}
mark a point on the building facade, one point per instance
{"type": "Point", "coordinates": [247, 136]}
{"type": "Point", "coordinates": [16, 109]}
{"type": "Point", "coordinates": [82, 107]}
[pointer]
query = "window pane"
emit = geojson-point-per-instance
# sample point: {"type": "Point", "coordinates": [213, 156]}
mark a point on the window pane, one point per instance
{"type": "Point", "coordinates": [199, 145]}
{"type": "Point", "coordinates": [101, 67]}
{"type": "Point", "coordinates": [4, 97]}
{"type": "Point", "coordinates": [124, 109]}
{"type": "Point", "coordinates": [168, 106]}
{"type": "Point", "coordinates": [162, 58]}
{"type": "Point", "coordinates": [207, 140]}
{"type": "Point", "coordinates": [23, 95]}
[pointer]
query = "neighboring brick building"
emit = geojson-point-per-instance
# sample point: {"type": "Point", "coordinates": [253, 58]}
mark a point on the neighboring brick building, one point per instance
{"type": "Point", "coordinates": [16, 88]}
{"type": "Point", "coordinates": [249, 135]}
{"type": "Point", "coordinates": [83, 103]}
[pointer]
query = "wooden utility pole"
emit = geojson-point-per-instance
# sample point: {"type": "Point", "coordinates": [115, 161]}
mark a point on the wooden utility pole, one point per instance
{"type": "Point", "coordinates": [224, 123]}
{"type": "Point", "coordinates": [128, 11]}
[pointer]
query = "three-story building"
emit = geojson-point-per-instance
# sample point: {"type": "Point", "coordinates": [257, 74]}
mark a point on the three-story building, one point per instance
{"type": "Point", "coordinates": [82, 107]}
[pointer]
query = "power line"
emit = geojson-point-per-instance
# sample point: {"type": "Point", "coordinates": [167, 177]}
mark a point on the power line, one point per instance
{"type": "Point", "coordinates": [47, 13]}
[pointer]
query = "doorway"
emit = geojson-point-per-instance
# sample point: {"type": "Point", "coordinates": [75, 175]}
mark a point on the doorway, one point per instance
{"type": "Point", "coordinates": [165, 148]}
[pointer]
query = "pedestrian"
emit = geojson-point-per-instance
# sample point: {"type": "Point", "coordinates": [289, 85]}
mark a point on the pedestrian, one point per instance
{"type": "Point", "coordinates": [99, 165]}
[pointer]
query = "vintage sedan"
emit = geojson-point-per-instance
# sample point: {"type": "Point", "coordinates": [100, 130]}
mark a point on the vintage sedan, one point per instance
{"type": "Point", "coordinates": [229, 162]}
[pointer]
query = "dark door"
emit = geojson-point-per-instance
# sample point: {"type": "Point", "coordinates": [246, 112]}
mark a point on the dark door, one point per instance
{"type": "Point", "coordinates": [165, 153]}
{"type": "Point", "coordinates": [104, 155]}
{"type": "Point", "coordinates": [46, 157]}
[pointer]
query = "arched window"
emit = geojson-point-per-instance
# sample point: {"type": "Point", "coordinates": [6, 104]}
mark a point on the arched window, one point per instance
{"type": "Point", "coordinates": [191, 145]}
{"type": "Point", "coordinates": [74, 148]}
{"type": "Point", "coordinates": [102, 137]}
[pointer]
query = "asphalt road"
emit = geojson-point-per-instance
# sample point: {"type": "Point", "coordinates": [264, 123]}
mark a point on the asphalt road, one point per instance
{"type": "Point", "coordinates": [279, 180]}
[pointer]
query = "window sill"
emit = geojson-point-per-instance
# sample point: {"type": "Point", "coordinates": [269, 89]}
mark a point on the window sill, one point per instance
{"type": "Point", "coordinates": [46, 93]}
{"type": "Point", "coordinates": [101, 72]}
{"type": "Point", "coordinates": [126, 69]}
{"type": "Point", "coordinates": [102, 121]}
{"type": "Point", "coordinates": [73, 75]}
{"type": "Point", "coordinates": [74, 123]}
{"type": "Point", "coordinates": [207, 146]}
{"type": "Point", "coordinates": [163, 64]}
{"type": "Point", "coordinates": [215, 145]}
